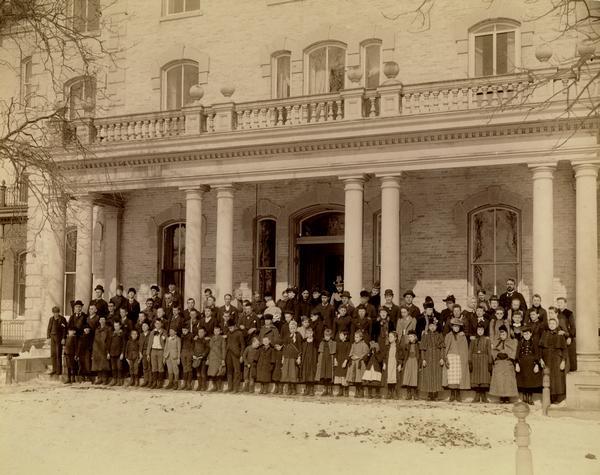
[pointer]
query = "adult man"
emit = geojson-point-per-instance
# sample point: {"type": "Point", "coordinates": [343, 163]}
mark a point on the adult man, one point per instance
{"type": "Point", "coordinates": [207, 293]}
{"type": "Point", "coordinates": [258, 304]}
{"type": "Point", "coordinates": [375, 297]}
{"type": "Point", "coordinates": [78, 319]}
{"type": "Point", "coordinates": [346, 300]}
{"type": "Point", "coordinates": [364, 302]}
{"type": "Point", "coordinates": [336, 296]}
{"type": "Point", "coordinates": [118, 300]}
{"type": "Point", "coordinates": [155, 296]}
{"type": "Point", "coordinates": [238, 299]}
{"type": "Point", "coordinates": [168, 305]}
{"type": "Point", "coordinates": [536, 306]}
{"type": "Point", "coordinates": [56, 333]}
{"type": "Point", "coordinates": [511, 292]}
{"type": "Point", "coordinates": [190, 305]}
{"type": "Point", "coordinates": [132, 305]}
{"type": "Point", "coordinates": [566, 324]}
{"type": "Point", "coordinates": [99, 302]}
{"type": "Point", "coordinates": [150, 310]}
{"type": "Point", "coordinates": [234, 347]}
{"type": "Point", "coordinates": [247, 321]}
{"type": "Point", "coordinates": [227, 312]}
{"type": "Point", "coordinates": [326, 309]}
{"type": "Point", "coordinates": [174, 293]}
{"type": "Point", "coordinates": [93, 319]}
{"type": "Point", "coordinates": [393, 310]}
{"type": "Point", "coordinates": [413, 310]}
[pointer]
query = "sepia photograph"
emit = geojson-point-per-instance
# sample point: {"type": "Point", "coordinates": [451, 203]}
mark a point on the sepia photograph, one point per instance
{"type": "Point", "coordinates": [299, 236]}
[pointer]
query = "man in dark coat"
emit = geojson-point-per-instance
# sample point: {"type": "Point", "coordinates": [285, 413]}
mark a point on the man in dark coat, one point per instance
{"type": "Point", "coordinates": [190, 305]}
{"type": "Point", "coordinates": [99, 302]}
{"type": "Point", "coordinates": [364, 301]}
{"type": "Point", "coordinates": [446, 314]}
{"type": "Point", "coordinates": [248, 321]}
{"type": "Point", "coordinates": [118, 300]}
{"type": "Point", "coordinates": [258, 304]}
{"type": "Point", "coordinates": [393, 310]}
{"type": "Point", "coordinates": [234, 347]}
{"type": "Point", "coordinates": [78, 320]}
{"type": "Point", "coordinates": [536, 306]}
{"type": "Point", "coordinates": [413, 310]}
{"type": "Point", "coordinates": [175, 295]}
{"type": "Point", "coordinates": [56, 333]}
{"type": "Point", "coordinates": [511, 293]}
{"type": "Point", "coordinates": [566, 323]}
{"type": "Point", "coordinates": [326, 309]}
{"type": "Point", "coordinates": [132, 306]}
{"type": "Point", "coordinates": [227, 312]}
{"type": "Point", "coordinates": [155, 296]}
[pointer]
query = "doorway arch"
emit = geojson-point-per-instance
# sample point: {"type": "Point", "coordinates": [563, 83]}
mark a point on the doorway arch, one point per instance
{"type": "Point", "coordinates": [317, 246]}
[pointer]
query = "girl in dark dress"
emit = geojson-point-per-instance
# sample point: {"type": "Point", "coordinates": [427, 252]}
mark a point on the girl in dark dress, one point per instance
{"type": "Point", "coordinates": [264, 365]}
{"type": "Point", "coordinates": [554, 355]}
{"type": "Point", "coordinates": [480, 363]}
{"type": "Point", "coordinates": [325, 368]}
{"type": "Point", "coordinates": [529, 376]}
{"type": "Point", "coordinates": [372, 375]}
{"type": "Point", "coordinates": [340, 362]}
{"type": "Point", "coordinates": [432, 360]}
{"type": "Point", "coordinates": [308, 363]}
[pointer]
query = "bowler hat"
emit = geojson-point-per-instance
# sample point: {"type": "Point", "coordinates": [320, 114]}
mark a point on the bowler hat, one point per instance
{"type": "Point", "coordinates": [99, 287]}
{"type": "Point", "coordinates": [78, 302]}
{"type": "Point", "coordinates": [364, 293]}
{"type": "Point", "coordinates": [409, 292]}
{"type": "Point", "coordinates": [324, 293]}
{"type": "Point", "coordinates": [450, 298]}
{"type": "Point", "coordinates": [155, 287]}
{"type": "Point", "coordinates": [55, 309]}
{"type": "Point", "coordinates": [388, 292]}
{"type": "Point", "coordinates": [131, 289]}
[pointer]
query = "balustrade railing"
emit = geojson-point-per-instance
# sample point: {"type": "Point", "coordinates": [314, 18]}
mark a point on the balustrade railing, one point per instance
{"type": "Point", "coordinates": [139, 127]}
{"type": "Point", "coordinates": [12, 331]}
{"type": "Point", "coordinates": [13, 195]}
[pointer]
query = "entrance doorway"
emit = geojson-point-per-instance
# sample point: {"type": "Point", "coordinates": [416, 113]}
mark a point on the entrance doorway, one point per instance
{"type": "Point", "coordinates": [320, 264]}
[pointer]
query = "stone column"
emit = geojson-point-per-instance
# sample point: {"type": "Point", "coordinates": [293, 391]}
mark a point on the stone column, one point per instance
{"type": "Point", "coordinates": [193, 243]}
{"type": "Point", "coordinates": [84, 216]}
{"type": "Point", "coordinates": [224, 257]}
{"type": "Point", "coordinates": [543, 232]}
{"type": "Point", "coordinates": [53, 235]}
{"type": "Point", "coordinates": [353, 234]}
{"type": "Point", "coordinates": [390, 234]}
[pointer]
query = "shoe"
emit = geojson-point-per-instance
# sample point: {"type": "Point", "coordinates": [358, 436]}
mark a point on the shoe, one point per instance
{"type": "Point", "coordinates": [484, 397]}
{"type": "Point", "coordinates": [530, 399]}
{"type": "Point", "coordinates": [477, 396]}
{"type": "Point", "coordinates": [113, 382]}
{"type": "Point", "coordinates": [458, 398]}
{"type": "Point", "coordinates": [452, 396]}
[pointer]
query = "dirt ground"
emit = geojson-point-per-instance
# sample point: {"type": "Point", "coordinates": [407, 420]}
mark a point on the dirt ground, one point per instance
{"type": "Point", "coordinates": [49, 428]}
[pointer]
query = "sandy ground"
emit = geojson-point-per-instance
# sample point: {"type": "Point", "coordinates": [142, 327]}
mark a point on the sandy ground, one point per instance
{"type": "Point", "coordinates": [48, 428]}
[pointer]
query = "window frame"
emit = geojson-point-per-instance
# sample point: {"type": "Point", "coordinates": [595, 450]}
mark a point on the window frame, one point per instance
{"type": "Point", "coordinates": [363, 58]}
{"type": "Point", "coordinates": [73, 231]}
{"type": "Point", "coordinates": [89, 83]}
{"type": "Point", "coordinates": [311, 49]}
{"type": "Point", "coordinates": [26, 83]}
{"type": "Point", "coordinates": [164, 86]}
{"type": "Point", "coordinates": [85, 19]}
{"type": "Point", "coordinates": [275, 74]}
{"type": "Point", "coordinates": [257, 267]}
{"type": "Point", "coordinates": [499, 25]}
{"type": "Point", "coordinates": [183, 13]}
{"type": "Point", "coordinates": [471, 264]}
{"type": "Point", "coordinates": [20, 286]}
{"type": "Point", "coordinates": [165, 228]}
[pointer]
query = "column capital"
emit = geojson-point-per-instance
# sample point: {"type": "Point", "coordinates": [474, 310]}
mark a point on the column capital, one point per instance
{"type": "Point", "coordinates": [224, 190]}
{"type": "Point", "coordinates": [353, 181]}
{"type": "Point", "coordinates": [390, 181]}
{"type": "Point", "coordinates": [194, 191]}
{"type": "Point", "coordinates": [586, 169]}
{"type": "Point", "coordinates": [542, 170]}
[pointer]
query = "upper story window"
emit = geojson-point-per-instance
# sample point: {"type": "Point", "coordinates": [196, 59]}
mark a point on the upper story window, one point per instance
{"type": "Point", "coordinates": [266, 255]}
{"type": "Point", "coordinates": [86, 15]}
{"type": "Point", "coordinates": [177, 80]}
{"type": "Point", "coordinates": [173, 255]}
{"type": "Point", "coordinates": [80, 91]}
{"type": "Point", "coordinates": [495, 48]}
{"type": "Point", "coordinates": [326, 66]}
{"type": "Point", "coordinates": [281, 75]}
{"type": "Point", "coordinates": [20, 275]}
{"type": "Point", "coordinates": [26, 74]}
{"type": "Point", "coordinates": [172, 7]}
{"type": "Point", "coordinates": [371, 61]}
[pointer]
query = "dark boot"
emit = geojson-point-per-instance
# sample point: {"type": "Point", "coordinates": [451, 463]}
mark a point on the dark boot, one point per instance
{"type": "Point", "coordinates": [340, 392]}
{"type": "Point", "coordinates": [415, 394]}
{"type": "Point", "coordinates": [458, 397]}
{"type": "Point", "coordinates": [408, 394]}
{"type": "Point", "coordinates": [484, 397]}
{"type": "Point", "coordinates": [530, 399]}
{"type": "Point", "coordinates": [477, 397]}
{"type": "Point", "coordinates": [175, 383]}
{"type": "Point", "coordinates": [452, 395]}
{"type": "Point", "coordinates": [190, 382]}
{"type": "Point", "coordinates": [346, 391]}
{"type": "Point", "coordinates": [114, 379]}
{"type": "Point", "coordinates": [359, 393]}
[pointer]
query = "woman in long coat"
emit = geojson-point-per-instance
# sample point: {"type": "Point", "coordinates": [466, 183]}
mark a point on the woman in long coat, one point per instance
{"type": "Point", "coordinates": [325, 362]}
{"type": "Point", "coordinates": [527, 365]}
{"type": "Point", "coordinates": [432, 353]}
{"type": "Point", "coordinates": [291, 357]}
{"type": "Point", "coordinates": [504, 380]}
{"type": "Point", "coordinates": [264, 367]}
{"type": "Point", "coordinates": [405, 323]}
{"type": "Point", "coordinates": [554, 355]}
{"type": "Point", "coordinates": [216, 359]}
{"type": "Point", "coordinates": [100, 361]}
{"type": "Point", "coordinates": [480, 363]}
{"type": "Point", "coordinates": [308, 363]}
{"type": "Point", "coordinates": [456, 358]}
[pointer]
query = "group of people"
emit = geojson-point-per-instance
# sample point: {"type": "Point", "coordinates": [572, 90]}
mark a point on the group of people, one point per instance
{"type": "Point", "coordinates": [498, 345]}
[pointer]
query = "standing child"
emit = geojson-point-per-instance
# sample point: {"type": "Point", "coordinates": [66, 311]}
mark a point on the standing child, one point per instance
{"type": "Point", "coordinates": [504, 380]}
{"type": "Point", "coordinates": [172, 358]}
{"type": "Point", "coordinates": [133, 355]}
{"type": "Point", "coordinates": [529, 376]}
{"type": "Point", "coordinates": [342, 350]}
{"type": "Point", "coordinates": [393, 355]}
{"type": "Point", "coordinates": [456, 359]}
{"type": "Point", "coordinates": [356, 363]}
{"type": "Point", "coordinates": [187, 353]}
{"type": "Point", "coordinates": [264, 365]}
{"type": "Point", "coordinates": [249, 359]}
{"type": "Point", "coordinates": [116, 353]}
{"type": "Point", "coordinates": [372, 375]}
{"type": "Point", "coordinates": [410, 375]}
{"type": "Point", "coordinates": [291, 358]}
{"type": "Point", "coordinates": [554, 355]}
{"type": "Point", "coordinates": [277, 365]}
{"type": "Point", "coordinates": [325, 362]}
{"type": "Point", "coordinates": [155, 349]}
{"type": "Point", "coordinates": [71, 355]}
{"type": "Point", "coordinates": [216, 360]}
{"type": "Point", "coordinates": [200, 353]}
{"type": "Point", "coordinates": [480, 363]}
{"type": "Point", "coordinates": [84, 353]}
{"type": "Point", "coordinates": [100, 361]}
{"type": "Point", "coordinates": [308, 363]}
{"type": "Point", "coordinates": [516, 325]}
{"type": "Point", "coordinates": [432, 359]}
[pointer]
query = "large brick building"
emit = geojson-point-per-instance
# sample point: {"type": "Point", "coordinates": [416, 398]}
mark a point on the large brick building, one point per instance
{"type": "Point", "coordinates": [268, 143]}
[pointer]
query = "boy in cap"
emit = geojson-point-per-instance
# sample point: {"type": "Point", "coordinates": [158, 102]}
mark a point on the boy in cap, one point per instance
{"type": "Point", "coordinates": [133, 355]}
{"type": "Point", "coordinates": [71, 355]}
{"type": "Point", "coordinates": [392, 309]}
{"type": "Point", "coordinates": [145, 357]}
{"type": "Point", "coordinates": [99, 302]}
{"type": "Point", "coordinates": [448, 312]}
{"type": "Point", "coordinates": [200, 353]}
{"type": "Point", "coordinates": [155, 296]}
{"type": "Point", "coordinates": [155, 350]}
{"type": "Point", "coordinates": [327, 310]}
{"type": "Point", "coordinates": [116, 352]}
{"type": "Point", "coordinates": [413, 310]}
{"type": "Point", "coordinates": [187, 352]}
{"type": "Point", "coordinates": [56, 333]}
{"type": "Point", "coordinates": [347, 301]}
{"type": "Point", "coordinates": [78, 319]}
{"type": "Point", "coordinates": [172, 358]}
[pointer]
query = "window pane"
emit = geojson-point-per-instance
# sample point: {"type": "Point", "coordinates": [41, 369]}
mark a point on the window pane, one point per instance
{"type": "Point", "coordinates": [178, 247]}
{"type": "Point", "coordinates": [69, 293]}
{"type": "Point", "coordinates": [483, 236]}
{"type": "Point", "coordinates": [267, 281]}
{"type": "Point", "coordinates": [505, 52]}
{"type": "Point", "coordinates": [324, 224]}
{"type": "Point", "coordinates": [79, 15]}
{"type": "Point", "coordinates": [190, 78]}
{"type": "Point", "coordinates": [507, 229]}
{"type": "Point", "coordinates": [484, 55]}
{"type": "Point", "coordinates": [337, 65]}
{"type": "Point", "coordinates": [372, 65]}
{"type": "Point", "coordinates": [192, 5]}
{"type": "Point", "coordinates": [174, 88]}
{"type": "Point", "coordinates": [75, 99]}
{"type": "Point", "coordinates": [93, 15]}
{"type": "Point", "coordinates": [484, 278]}
{"type": "Point", "coordinates": [71, 251]}
{"type": "Point", "coordinates": [504, 272]}
{"type": "Point", "coordinates": [175, 6]}
{"type": "Point", "coordinates": [283, 76]}
{"type": "Point", "coordinates": [267, 241]}
{"type": "Point", "coordinates": [21, 284]}
{"type": "Point", "coordinates": [317, 78]}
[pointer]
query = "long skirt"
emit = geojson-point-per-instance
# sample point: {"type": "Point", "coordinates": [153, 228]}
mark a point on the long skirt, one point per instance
{"type": "Point", "coordinates": [410, 375]}
{"type": "Point", "coordinates": [289, 371]}
{"type": "Point", "coordinates": [356, 369]}
{"type": "Point", "coordinates": [526, 378]}
{"type": "Point", "coordinates": [454, 369]}
{"type": "Point", "coordinates": [431, 375]}
{"type": "Point", "coordinates": [504, 381]}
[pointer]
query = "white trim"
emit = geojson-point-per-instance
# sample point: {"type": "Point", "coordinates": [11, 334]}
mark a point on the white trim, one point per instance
{"type": "Point", "coordinates": [497, 26]}
{"type": "Point", "coordinates": [363, 59]}
{"type": "Point", "coordinates": [311, 49]}
{"type": "Point", "coordinates": [163, 80]}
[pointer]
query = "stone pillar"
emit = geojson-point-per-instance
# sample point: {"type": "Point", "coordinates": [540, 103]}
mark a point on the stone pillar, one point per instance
{"type": "Point", "coordinates": [112, 248]}
{"type": "Point", "coordinates": [390, 234]}
{"type": "Point", "coordinates": [193, 243]}
{"type": "Point", "coordinates": [53, 235]}
{"type": "Point", "coordinates": [224, 257]}
{"type": "Point", "coordinates": [353, 234]}
{"type": "Point", "coordinates": [583, 385]}
{"type": "Point", "coordinates": [84, 216]}
{"type": "Point", "coordinates": [543, 235]}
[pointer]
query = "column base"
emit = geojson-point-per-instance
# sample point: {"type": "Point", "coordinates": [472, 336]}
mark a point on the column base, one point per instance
{"type": "Point", "coordinates": [583, 385]}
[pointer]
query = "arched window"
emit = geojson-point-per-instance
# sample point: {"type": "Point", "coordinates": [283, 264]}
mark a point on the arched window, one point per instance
{"type": "Point", "coordinates": [495, 47]}
{"type": "Point", "coordinates": [173, 255]}
{"type": "Point", "coordinates": [80, 91]}
{"type": "Point", "coordinates": [266, 255]}
{"type": "Point", "coordinates": [280, 64]}
{"type": "Point", "coordinates": [326, 66]}
{"type": "Point", "coordinates": [70, 267]}
{"type": "Point", "coordinates": [494, 247]}
{"type": "Point", "coordinates": [19, 287]}
{"type": "Point", "coordinates": [371, 60]}
{"type": "Point", "coordinates": [177, 78]}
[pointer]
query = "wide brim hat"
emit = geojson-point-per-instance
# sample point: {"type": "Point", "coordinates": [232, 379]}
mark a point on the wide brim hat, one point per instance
{"type": "Point", "coordinates": [78, 302]}
{"type": "Point", "coordinates": [450, 298]}
{"type": "Point", "coordinates": [99, 287]}
{"type": "Point", "coordinates": [345, 293]}
{"type": "Point", "coordinates": [388, 292]}
{"type": "Point", "coordinates": [456, 321]}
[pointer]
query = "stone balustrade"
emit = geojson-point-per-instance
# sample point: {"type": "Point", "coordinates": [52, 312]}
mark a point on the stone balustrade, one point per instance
{"type": "Point", "coordinates": [139, 127]}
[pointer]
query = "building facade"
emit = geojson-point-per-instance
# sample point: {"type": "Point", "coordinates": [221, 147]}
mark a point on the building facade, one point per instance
{"type": "Point", "coordinates": [263, 144]}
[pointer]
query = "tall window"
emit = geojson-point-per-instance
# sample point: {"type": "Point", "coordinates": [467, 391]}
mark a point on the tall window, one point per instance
{"type": "Point", "coordinates": [173, 255]}
{"type": "Point", "coordinates": [281, 75]}
{"type": "Point", "coordinates": [495, 48]}
{"type": "Point", "coordinates": [70, 267]}
{"type": "Point", "coordinates": [20, 283]}
{"type": "Point", "coordinates": [177, 80]}
{"type": "Point", "coordinates": [372, 64]}
{"type": "Point", "coordinates": [266, 255]}
{"type": "Point", "coordinates": [172, 7]}
{"type": "Point", "coordinates": [377, 247]}
{"type": "Point", "coordinates": [80, 92]}
{"type": "Point", "coordinates": [26, 73]}
{"type": "Point", "coordinates": [495, 247]}
{"type": "Point", "coordinates": [86, 15]}
{"type": "Point", "coordinates": [326, 66]}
